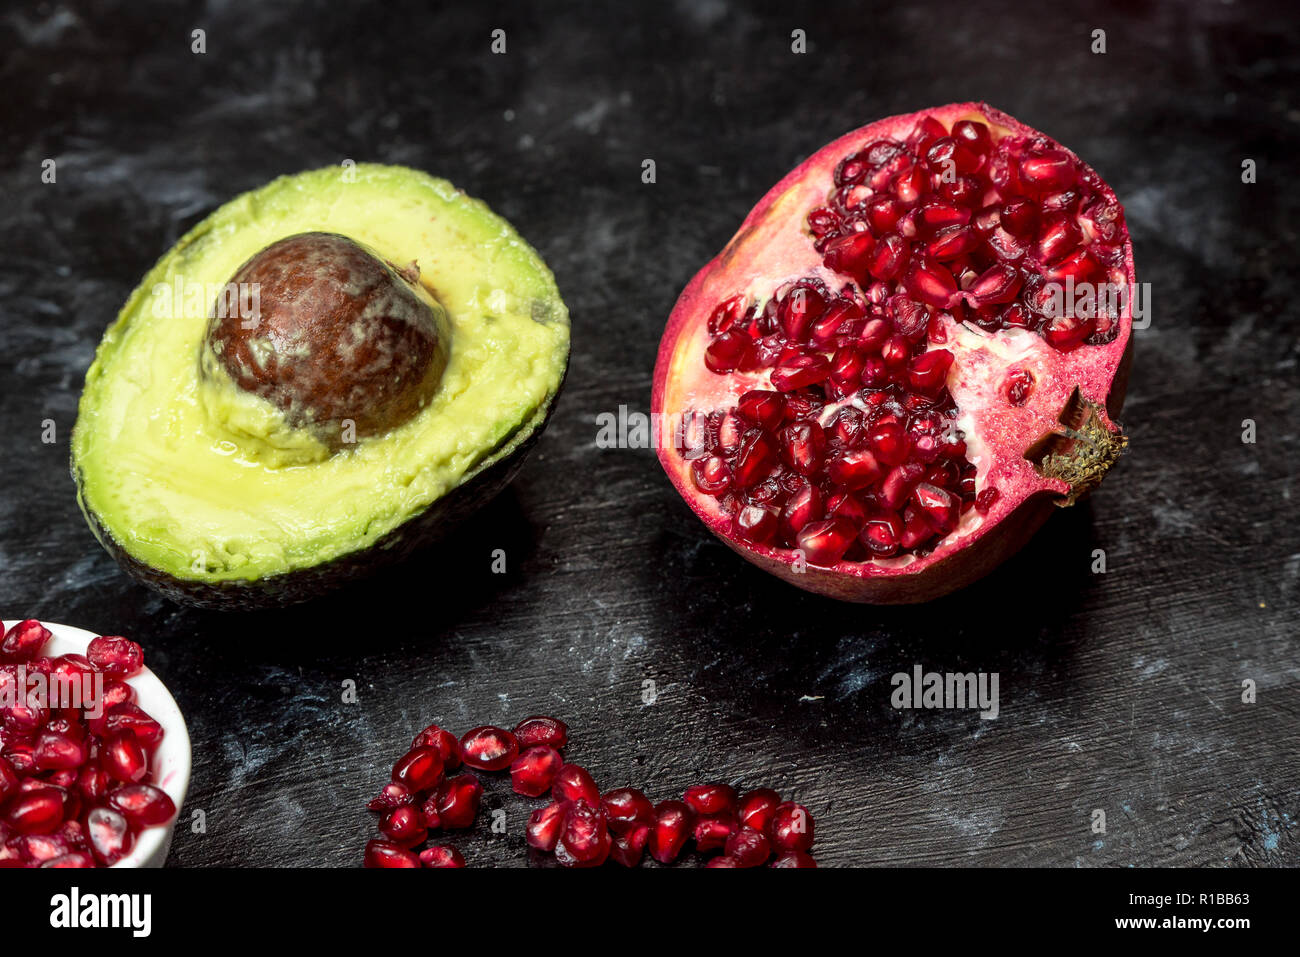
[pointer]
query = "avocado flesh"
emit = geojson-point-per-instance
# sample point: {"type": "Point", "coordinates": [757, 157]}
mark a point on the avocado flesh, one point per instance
{"type": "Point", "coordinates": [197, 481]}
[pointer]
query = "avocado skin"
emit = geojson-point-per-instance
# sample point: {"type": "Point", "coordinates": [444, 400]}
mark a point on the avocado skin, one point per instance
{"type": "Point", "coordinates": [292, 588]}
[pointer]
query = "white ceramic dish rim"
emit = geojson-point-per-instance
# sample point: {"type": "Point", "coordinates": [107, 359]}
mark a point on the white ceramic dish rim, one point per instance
{"type": "Point", "coordinates": [171, 762]}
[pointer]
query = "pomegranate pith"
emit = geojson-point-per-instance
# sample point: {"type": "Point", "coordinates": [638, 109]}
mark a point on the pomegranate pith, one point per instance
{"type": "Point", "coordinates": [896, 328]}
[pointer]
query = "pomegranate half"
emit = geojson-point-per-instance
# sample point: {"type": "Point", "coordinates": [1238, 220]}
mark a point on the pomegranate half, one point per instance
{"type": "Point", "coordinates": [909, 354]}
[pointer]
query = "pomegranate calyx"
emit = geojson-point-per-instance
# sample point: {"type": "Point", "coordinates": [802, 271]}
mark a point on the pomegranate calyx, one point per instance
{"type": "Point", "coordinates": [1081, 453]}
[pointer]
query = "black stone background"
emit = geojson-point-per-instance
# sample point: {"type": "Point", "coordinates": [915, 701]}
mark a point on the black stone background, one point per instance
{"type": "Point", "coordinates": [1120, 691]}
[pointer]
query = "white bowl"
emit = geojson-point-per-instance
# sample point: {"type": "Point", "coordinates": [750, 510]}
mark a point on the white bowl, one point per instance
{"type": "Point", "coordinates": [171, 762]}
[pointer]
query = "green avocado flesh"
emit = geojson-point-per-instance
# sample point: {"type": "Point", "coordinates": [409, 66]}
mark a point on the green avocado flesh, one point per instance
{"type": "Point", "coordinates": [193, 477]}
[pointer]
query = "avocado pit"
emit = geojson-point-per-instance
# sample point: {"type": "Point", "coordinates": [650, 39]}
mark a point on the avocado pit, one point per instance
{"type": "Point", "coordinates": [340, 342]}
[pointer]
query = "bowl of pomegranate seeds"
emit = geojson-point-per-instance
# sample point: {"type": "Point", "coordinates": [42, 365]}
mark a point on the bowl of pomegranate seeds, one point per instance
{"type": "Point", "coordinates": [94, 754]}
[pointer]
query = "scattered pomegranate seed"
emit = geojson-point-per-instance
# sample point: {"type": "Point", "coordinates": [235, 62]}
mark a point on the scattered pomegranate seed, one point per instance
{"type": "Point", "coordinates": [488, 748]}
{"type": "Point", "coordinates": [441, 856]}
{"type": "Point", "coordinates": [388, 854]}
{"type": "Point", "coordinates": [791, 828]}
{"type": "Point", "coordinates": [419, 769]}
{"type": "Point", "coordinates": [573, 783]}
{"type": "Point", "coordinates": [674, 824]}
{"type": "Point", "coordinates": [541, 730]}
{"type": "Point", "coordinates": [115, 655]}
{"type": "Point", "coordinates": [534, 771]}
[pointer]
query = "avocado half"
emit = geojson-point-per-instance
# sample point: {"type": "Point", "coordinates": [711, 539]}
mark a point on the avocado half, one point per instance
{"type": "Point", "coordinates": [216, 495]}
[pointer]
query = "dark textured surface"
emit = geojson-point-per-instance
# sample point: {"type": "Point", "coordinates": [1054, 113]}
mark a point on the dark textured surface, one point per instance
{"type": "Point", "coordinates": [1119, 692]}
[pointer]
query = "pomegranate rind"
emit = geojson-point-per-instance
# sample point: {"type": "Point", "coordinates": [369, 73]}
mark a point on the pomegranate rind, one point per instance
{"type": "Point", "coordinates": [772, 247]}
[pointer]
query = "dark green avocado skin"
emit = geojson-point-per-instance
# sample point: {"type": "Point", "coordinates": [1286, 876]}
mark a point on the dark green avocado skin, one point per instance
{"type": "Point", "coordinates": [292, 588]}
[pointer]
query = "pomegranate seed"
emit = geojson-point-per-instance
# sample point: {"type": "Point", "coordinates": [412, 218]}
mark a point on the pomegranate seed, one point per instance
{"type": "Point", "coordinates": [726, 314]}
{"type": "Point", "coordinates": [930, 282]}
{"type": "Point", "coordinates": [791, 828]}
{"type": "Point", "coordinates": [24, 641]}
{"type": "Point", "coordinates": [755, 808]}
{"type": "Point", "coordinates": [544, 825]}
{"type": "Point", "coordinates": [388, 854]}
{"type": "Point", "coordinates": [973, 135]}
{"type": "Point", "coordinates": [711, 475]}
{"type": "Point", "coordinates": [626, 808]}
{"type": "Point", "coordinates": [124, 758]}
{"type": "Point", "coordinates": [8, 780]}
{"type": "Point", "coordinates": [950, 243]}
{"type": "Point", "coordinates": [488, 748]}
{"type": "Point", "coordinates": [731, 430]}
{"type": "Point", "coordinates": [441, 855]}
{"type": "Point", "coordinates": [821, 222]}
{"type": "Point", "coordinates": [756, 525]}
{"type": "Point", "coordinates": [628, 847]}
{"type": "Point", "coordinates": [419, 769]}
{"type": "Point", "coordinates": [542, 730]}
{"type": "Point", "coordinates": [457, 801]}
{"type": "Point", "coordinates": [853, 468]}
{"type": "Point", "coordinates": [55, 751]}
{"type": "Point", "coordinates": [38, 811]}
{"type": "Point", "coordinates": [849, 254]}
{"type": "Point", "coordinates": [755, 459]}
{"type": "Point", "coordinates": [888, 258]}
{"type": "Point", "coordinates": [143, 804]}
{"type": "Point", "coordinates": [929, 371]}
{"type": "Point", "coordinates": [985, 499]}
{"type": "Point", "coordinates": [882, 215]}
{"type": "Point", "coordinates": [803, 508]}
{"type": "Point", "coordinates": [801, 370]}
{"type": "Point", "coordinates": [848, 507]}
{"type": "Point", "coordinates": [889, 442]}
{"type": "Point", "coordinates": [937, 506]}
{"type": "Point", "coordinates": [109, 834]}
{"type": "Point", "coordinates": [934, 215]}
{"type": "Point", "coordinates": [712, 830]}
{"type": "Point", "coordinates": [1067, 332]}
{"type": "Point", "coordinates": [130, 717]}
{"type": "Point", "coordinates": [93, 782]}
{"type": "Point", "coordinates": [1048, 171]}
{"type": "Point", "coordinates": [1059, 237]}
{"type": "Point", "coordinates": [881, 534]}
{"type": "Point", "coordinates": [825, 542]}
{"type": "Point", "coordinates": [795, 859]}
{"type": "Point", "coordinates": [763, 407]}
{"type": "Point", "coordinates": [728, 352]}
{"type": "Point", "coordinates": [674, 824]}
{"type": "Point", "coordinates": [723, 862]}
{"type": "Point", "coordinates": [584, 838]}
{"type": "Point", "coordinates": [908, 317]}
{"type": "Point", "coordinates": [393, 795]}
{"type": "Point", "coordinates": [534, 771]}
{"type": "Point", "coordinates": [748, 847]}
{"type": "Point", "coordinates": [1018, 386]}
{"type": "Point", "coordinates": [115, 655]}
{"type": "Point", "coordinates": [997, 284]}
{"type": "Point", "coordinates": [573, 783]}
{"type": "Point", "coordinates": [710, 798]}
{"type": "Point", "coordinates": [1019, 217]}
{"type": "Point", "coordinates": [444, 742]}
{"type": "Point", "coordinates": [404, 826]}
{"type": "Point", "coordinates": [802, 444]}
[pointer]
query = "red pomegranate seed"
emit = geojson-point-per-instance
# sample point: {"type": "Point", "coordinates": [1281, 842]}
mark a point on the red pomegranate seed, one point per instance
{"type": "Point", "coordinates": [115, 655]}
{"type": "Point", "coordinates": [388, 854]}
{"type": "Point", "coordinates": [124, 758]}
{"type": "Point", "coordinates": [711, 475]}
{"type": "Point", "coordinates": [441, 855]}
{"type": "Point", "coordinates": [801, 370]}
{"type": "Point", "coordinates": [8, 780]}
{"type": "Point", "coordinates": [803, 508]}
{"type": "Point", "coordinates": [888, 258]}
{"type": "Point", "coordinates": [889, 442]}
{"type": "Point", "coordinates": [419, 769]}
{"type": "Point", "coordinates": [1019, 217]}
{"type": "Point", "coordinates": [54, 751]}
{"type": "Point", "coordinates": [38, 811]}
{"type": "Point", "coordinates": [626, 808]}
{"type": "Point", "coordinates": [929, 371]}
{"type": "Point", "coordinates": [756, 458]}
{"type": "Point", "coordinates": [712, 830]}
{"type": "Point", "coordinates": [763, 407]}
{"type": "Point", "coordinates": [710, 798]}
{"type": "Point", "coordinates": [457, 801]}
{"type": "Point", "coordinates": [93, 782]}
{"type": "Point", "coordinates": [930, 282]}
{"type": "Point", "coordinates": [584, 838]}
{"type": "Point", "coordinates": [749, 847]}
{"type": "Point", "coordinates": [544, 825]}
{"type": "Point", "coordinates": [1047, 171]}
{"type": "Point", "coordinates": [985, 499]}
{"type": "Point", "coordinates": [24, 641]}
{"type": "Point", "coordinates": [795, 859]}
{"type": "Point", "coordinates": [573, 783]}
{"type": "Point", "coordinates": [997, 284]}
{"type": "Point", "coordinates": [130, 717]}
{"type": "Point", "coordinates": [973, 135]}
{"type": "Point", "coordinates": [728, 352]}
{"type": "Point", "coordinates": [534, 771]}
{"type": "Point", "coordinates": [849, 254]}
{"type": "Point", "coordinates": [756, 525]}
{"type": "Point", "coordinates": [674, 824]}
{"type": "Point", "coordinates": [1018, 385]}
{"type": "Point", "coordinates": [853, 468]}
{"type": "Point", "coordinates": [143, 804]}
{"type": "Point", "coordinates": [755, 808]}
{"type": "Point", "coordinates": [881, 534]}
{"type": "Point", "coordinates": [937, 506]}
{"type": "Point", "coordinates": [802, 444]}
{"type": "Point", "coordinates": [950, 243]}
{"type": "Point", "coordinates": [1059, 236]}
{"type": "Point", "coordinates": [726, 314]}
{"type": "Point", "coordinates": [791, 828]}
{"type": "Point", "coordinates": [825, 542]}
{"type": "Point", "coordinates": [404, 825]}
{"type": "Point", "coordinates": [488, 748]}
{"type": "Point", "coordinates": [628, 847]}
{"type": "Point", "coordinates": [109, 834]}
{"type": "Point", "coordinates": [444, 742]}
{"type": "Point", "coordinates": [723, 862]}
{"type": "Point", "coordinates": [392, 795]}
